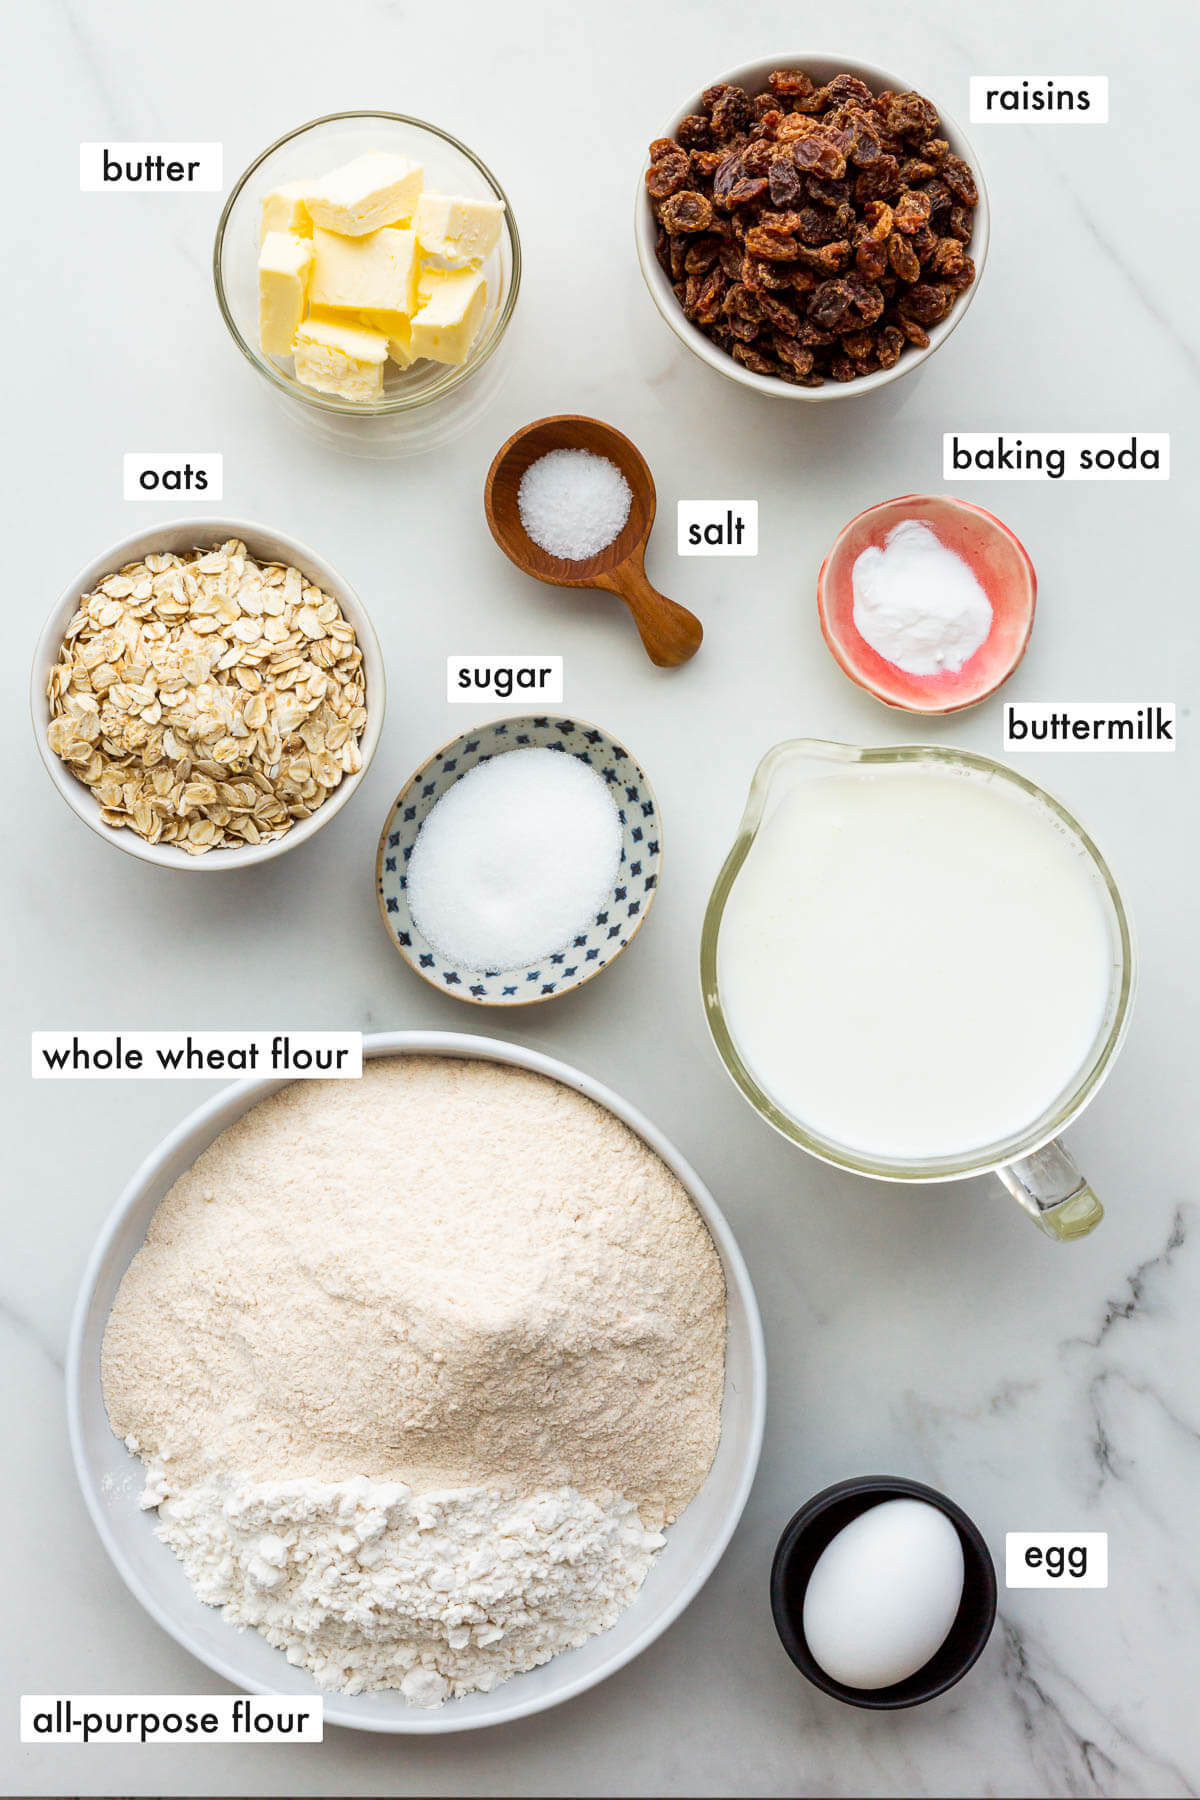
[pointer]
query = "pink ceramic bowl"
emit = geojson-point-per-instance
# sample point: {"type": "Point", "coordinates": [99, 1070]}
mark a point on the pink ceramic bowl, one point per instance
{"type": "Point", "coordinates": [1000, 564]}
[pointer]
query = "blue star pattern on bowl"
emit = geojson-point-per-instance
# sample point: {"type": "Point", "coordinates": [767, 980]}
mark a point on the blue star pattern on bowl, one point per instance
{"type": "Point", "coordinates": [611, 928]}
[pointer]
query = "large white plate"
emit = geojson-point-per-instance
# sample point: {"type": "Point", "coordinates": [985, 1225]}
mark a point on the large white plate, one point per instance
{"type": "Point", "coordinates": [111, 1478]}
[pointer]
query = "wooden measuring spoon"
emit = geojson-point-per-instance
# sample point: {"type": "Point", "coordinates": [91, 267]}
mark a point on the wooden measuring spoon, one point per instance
{"type": "Point", "coordinates": [669, 632]}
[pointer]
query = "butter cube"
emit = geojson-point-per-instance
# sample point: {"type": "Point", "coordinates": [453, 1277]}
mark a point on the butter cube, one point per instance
{"type": "Point", "coordinates": [447, 324]}
{"type": "Point", "coordinates": [284, 269]}
{"type": "Point", "coordinates": [373, 190]}
{"type": "Point", "coordinates": [456, 230]}
{"type": "Point", "coordinates": [398, 332]}
{"type": "Point", "coordinates": [283, 209]}
{"type": "Point", "coordinates": [375, 273]}
{"type": "Point", "coordinates": [338, 358]}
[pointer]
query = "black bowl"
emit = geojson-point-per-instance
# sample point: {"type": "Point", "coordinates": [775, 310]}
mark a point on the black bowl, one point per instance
{"type": "Point", "coordinates": [816, 1525]}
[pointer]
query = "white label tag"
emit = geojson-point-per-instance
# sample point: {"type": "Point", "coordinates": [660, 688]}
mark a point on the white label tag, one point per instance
{"type": "Point", "coordinates": [149, 168]}
{"type": "Point", "coordinates": [510, 679]}
{"type": "Point", "coordinates": [1088, 725]}
{"type": "Point", "coordinates": [173, 474]}
{"type": "Point", "coordinates": [1039, 100]}
{"type": "Point", "coordinates": [184, 1055]}
{"type": "Point", "coordinates": [1056, 456]}
{"type": "Point", "coordinates": [717, 528]}
{"type": "Point", "coordinates": [1062, 1559]}
{"type": "Point", "coordinates": [162, 1719]}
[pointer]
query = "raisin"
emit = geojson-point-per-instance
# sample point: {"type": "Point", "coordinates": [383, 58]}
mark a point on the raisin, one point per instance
{"type": "Point", "coordinates": [843, 367]}
{"type": "Point", "coordinates": [865, 147]}
{"type": "Point", "coordinates": [731, 259]}
{"type": "Point", "coordinates": [778, 313]}
{"type": "Point", "coordinates": [870, 258]}
{"type": "Point", "coordinates": [914, 332]}
{"type": "Point", "coordinates": [962, 278]}
{"type": "Point", "coordinates": [711, 95]}
{"type": "Point", "coordinates": [694, 132]}
{"type": "Point", "coordinates": [812, 335]}
{"type": "Point", "coordinates": [816, 102]}
{"type": "Point", "coordinates": [907, 115]}
{"type": "Point", "coordinates": [801, 281]}
{"type": "Point", "coordinates": [662, 147]}
{"type": "Point", "coordinates": [830, 305]}
{"type": "Point", "coordinates": [688, 211]}
{"type": "Point", "coordinates": [859, 344]}
{"type": "Point", "coordinates": [762, 276]}
{"type": "Point", "coordinates": [796, 126]}
{"type": "Point", "coordinates": [913, 171]}
{"type": "Point", "coordinates": [911, 211]}
{"type": "Point", "coordinates": [744, 192]}
{"type": "Point", "coordinates": [732, 113]}
{"type": "Point", "coordinates": [925, 303]}
{"type": "Point", "coordinates": [879, 182]}
{"type": "Point", "coordinates": [889, 342]}
{"type": "Point", "coordinates": [662, 252]}
{"type": "Point", "coordinates": [785, 182]}
{"type": "Point", "coordinates": [780, 221]}
{"type": "Point", "coordinates": [790, 351]}
{"type": "Point", "coordinates": [757, 158]}
{"type": "Point", "coordinates": [935, 151]}
{"type": "Point", "coordinates": [828, 259]}
{"type": "Point", "coordinates": [947, 258]}
{"type": "Point", "coordinates": [775, 246]}
{"type": "Point", "coordinates": [849, 87]}
{"type": "Point", "coordinates": [815, 227]}
{"type": "Point", "coordinates": [678, 251]}
{"type": "Point", "coordinates": [753, 359]}
{"type": "Point", "coordinates": [828, 193]}
{"type": "Point", "coordinates": [818, 154]}
{"type": "Point", "coordinates": [726, 175]}
{"type": "Point", "coordinates": [940, 196]}
{"type": "Point", "coordinates": [866, 298]}
{"type": "Point", "coordinates": [789, 84]}
{"type": "Point", "coordinates": [668, 174]}
{"type": "Point", "coordinates": [764, 107]}
{"type": "Point", "coordinates": [924, 241]}
{"type": "Point", "coordinates": [959, 179]}
{"type": "Point", "coordinates": [708, 301]}
{"type": "Point", "coordinates": [903, 258]}
{"type": "Point", "coordinates": [880, 218]}
{"type": "Point", "coordinates": [701, 254]}
{"type": "Point", "coordinates": [959, 224]}
{"type": "Point", "coordinates": [741, 301]}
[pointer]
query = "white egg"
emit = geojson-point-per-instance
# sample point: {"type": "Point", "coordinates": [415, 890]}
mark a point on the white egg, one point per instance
{"type": "Point", "coordinates": [884, 1594]}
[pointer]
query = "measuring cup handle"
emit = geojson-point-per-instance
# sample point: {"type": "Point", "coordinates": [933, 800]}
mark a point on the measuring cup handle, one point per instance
{"type": "Point", "coordinates": [1054, 1193]}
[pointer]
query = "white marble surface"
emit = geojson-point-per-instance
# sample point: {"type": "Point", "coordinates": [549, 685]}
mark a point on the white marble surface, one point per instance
{"type": "Point", "coordinates": [933, 1334]}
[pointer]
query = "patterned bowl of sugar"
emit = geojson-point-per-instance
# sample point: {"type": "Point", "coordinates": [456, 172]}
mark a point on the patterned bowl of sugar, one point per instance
{"type": "Point", "coordinates": [613, 915]}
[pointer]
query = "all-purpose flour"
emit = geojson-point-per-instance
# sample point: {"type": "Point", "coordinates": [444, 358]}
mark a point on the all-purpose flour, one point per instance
{"type": "Point", "coordinates": [455, 1284]}
{"type": "Point", "coordinates": [369, 1586]}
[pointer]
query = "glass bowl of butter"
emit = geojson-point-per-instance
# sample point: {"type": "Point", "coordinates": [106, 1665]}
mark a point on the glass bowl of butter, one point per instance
{"type": "Point", "coordinates": [367, 264]}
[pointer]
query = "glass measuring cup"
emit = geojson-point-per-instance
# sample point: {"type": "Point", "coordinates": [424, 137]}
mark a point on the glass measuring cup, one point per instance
{"type": "Point", "coordinates": [1033, 1165]}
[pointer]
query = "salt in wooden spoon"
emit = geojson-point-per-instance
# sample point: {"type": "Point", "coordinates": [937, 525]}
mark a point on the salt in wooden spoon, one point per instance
{"type": "Point", "coordinates": [669, 632]}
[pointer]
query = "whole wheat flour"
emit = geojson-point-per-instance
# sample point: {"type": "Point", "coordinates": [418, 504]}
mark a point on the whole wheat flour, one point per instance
{"type": "Point", "coordinates": [454, 1285]}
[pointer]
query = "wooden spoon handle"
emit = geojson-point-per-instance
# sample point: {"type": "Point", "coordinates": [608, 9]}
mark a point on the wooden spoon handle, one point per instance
{"type": "Point", "coordinates": [670, 633]}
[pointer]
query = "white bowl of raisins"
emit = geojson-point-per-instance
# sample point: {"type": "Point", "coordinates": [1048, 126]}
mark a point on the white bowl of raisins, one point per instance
{"type": "Point", "coordinates": [811, 228]}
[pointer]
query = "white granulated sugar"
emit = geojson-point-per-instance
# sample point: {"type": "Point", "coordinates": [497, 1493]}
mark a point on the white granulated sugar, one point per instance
{"type": "Point", "coordinates": [514, 860]}
{"type": "Point", "coordinates": [573, 503]}
{"type": "Point", "coordinates": [368, 1586]}
{"type": "Point", "coordinates": [917, 604]}
{"type": "Point", "coordinates": [456, 1284]}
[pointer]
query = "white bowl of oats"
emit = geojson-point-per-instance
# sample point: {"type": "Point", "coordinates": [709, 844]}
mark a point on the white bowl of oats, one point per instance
{"type": "Point", "coordinates": [207, 693]}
